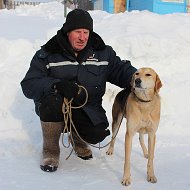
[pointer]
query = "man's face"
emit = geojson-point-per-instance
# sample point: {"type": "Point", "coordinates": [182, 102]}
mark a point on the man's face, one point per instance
{"type": "Point", "coordinates": [78, 38]}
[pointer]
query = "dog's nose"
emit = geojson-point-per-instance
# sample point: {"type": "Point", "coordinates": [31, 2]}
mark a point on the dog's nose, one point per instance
{"type": "Point", "coordinates": [138, 82]}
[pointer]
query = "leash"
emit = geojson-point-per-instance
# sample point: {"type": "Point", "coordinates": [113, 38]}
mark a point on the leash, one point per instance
{"type": "Point", "coordinates": [67, 113]}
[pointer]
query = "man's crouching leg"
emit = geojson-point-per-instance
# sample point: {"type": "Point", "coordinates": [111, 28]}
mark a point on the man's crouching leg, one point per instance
{"type": "Point", "coordinates": [81, 148]}
{"type": "Point", "coordinates": [51, 116]}
{"type": "Point", "coordinates": [51, 150]}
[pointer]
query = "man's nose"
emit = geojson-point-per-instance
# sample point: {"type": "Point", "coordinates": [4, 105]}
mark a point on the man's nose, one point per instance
{"type": "Point", "coordinates": [81, 36]}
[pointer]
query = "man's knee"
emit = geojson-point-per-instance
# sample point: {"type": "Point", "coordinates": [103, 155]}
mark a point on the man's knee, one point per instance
{"type": "Point", "coordinates": [97, 133]}
{"type": "Point", "coordinates": [90, 133]}
{"type": "Point", "coordinates": [50, 108]}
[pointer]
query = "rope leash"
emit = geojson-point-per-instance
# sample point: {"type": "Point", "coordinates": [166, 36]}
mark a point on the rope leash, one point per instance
{"type": "Point", "coordinates": [67, 113]}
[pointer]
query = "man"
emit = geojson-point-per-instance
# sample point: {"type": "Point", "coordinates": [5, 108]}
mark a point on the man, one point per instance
{"type": "Point", "coordinates": [74, 56]}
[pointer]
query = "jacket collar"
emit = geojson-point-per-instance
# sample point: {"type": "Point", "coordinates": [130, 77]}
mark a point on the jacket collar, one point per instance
{"type": "Point", "coordinates": [60, 44]}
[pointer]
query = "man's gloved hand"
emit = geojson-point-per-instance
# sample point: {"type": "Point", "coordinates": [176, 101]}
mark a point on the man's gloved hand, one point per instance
{"type": "Point", "coordinates": [68, 89]}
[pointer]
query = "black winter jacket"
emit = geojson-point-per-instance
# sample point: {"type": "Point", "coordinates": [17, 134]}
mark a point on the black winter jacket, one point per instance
{"type": "Point", "coordinates": [94, 66]}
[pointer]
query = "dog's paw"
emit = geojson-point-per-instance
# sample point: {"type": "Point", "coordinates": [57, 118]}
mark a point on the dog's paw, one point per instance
{"type": "Point", "coordinates": [151, 179]}
{"type": "Point", "coordinates": [109, 151]}
{"type": "Point", "coordinates": [126, 181]}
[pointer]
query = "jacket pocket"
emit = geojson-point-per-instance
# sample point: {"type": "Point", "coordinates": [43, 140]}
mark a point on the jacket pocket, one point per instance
{"type": "Point", "coordinates": [96, 75]}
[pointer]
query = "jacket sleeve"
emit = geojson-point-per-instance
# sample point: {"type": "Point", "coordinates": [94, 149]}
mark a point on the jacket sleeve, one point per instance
{"type": "Point", "coordinates": [36, 82]}
{"type": "Point", "coordinates": [120, 72]}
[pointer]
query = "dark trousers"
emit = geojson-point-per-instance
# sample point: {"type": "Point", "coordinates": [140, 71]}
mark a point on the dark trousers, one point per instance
{"type": "Point", "coordinates": [50, 110]}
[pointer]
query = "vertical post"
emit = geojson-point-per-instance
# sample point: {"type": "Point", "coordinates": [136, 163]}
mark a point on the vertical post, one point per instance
{"type": "Point", "coordinates": [86, 4]}
{"type": "Point", "coordinates": [65, 8]}
{"type": "Point", "coordinates": [1, 4]}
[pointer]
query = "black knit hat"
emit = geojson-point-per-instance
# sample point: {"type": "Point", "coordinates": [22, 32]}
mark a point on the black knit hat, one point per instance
{"type": "Point", "coordinates": [76, 19]}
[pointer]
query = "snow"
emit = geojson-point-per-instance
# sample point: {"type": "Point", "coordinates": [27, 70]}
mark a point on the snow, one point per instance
{"type": "Point", "coordinates": [148, 40]}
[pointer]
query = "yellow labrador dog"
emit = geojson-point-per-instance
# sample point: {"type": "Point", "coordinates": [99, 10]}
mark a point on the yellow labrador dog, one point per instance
{"type": "Point", "coordinates": [142, 111]}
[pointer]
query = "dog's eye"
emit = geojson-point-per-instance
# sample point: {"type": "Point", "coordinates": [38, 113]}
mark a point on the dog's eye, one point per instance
{"type": "Point", "coordinates": [136, 73]}
{"type": "Point", "coordinates": [148, 75]}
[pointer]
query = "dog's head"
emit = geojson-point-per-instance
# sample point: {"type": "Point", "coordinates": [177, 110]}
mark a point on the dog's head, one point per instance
{"type": "Point", "coordinates": [146, 80]}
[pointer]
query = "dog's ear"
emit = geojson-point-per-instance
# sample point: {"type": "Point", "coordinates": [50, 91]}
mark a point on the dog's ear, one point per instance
{"type": "Point", "coordinates": [158, 83]}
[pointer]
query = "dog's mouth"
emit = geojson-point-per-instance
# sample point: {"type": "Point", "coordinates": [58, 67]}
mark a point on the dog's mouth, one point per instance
{"type": "Point", "coordinates": [138, 85]}
{"type": "Point", "coordinates": [139, 88]}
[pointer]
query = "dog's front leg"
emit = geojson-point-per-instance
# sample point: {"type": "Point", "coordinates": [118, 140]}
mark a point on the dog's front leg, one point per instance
{"type": "Point", "coordinates": [128, 146]}
{"type": "Point", "coordinates": [150, 166]}
{"type": "Point", "coordinates": [144, 149]}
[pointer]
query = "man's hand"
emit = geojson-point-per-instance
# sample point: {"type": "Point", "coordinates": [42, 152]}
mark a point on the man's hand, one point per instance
{"type": "Point", "coordinates": [68, 89]}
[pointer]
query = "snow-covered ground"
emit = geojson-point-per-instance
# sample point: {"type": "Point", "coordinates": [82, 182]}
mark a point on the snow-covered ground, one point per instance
{"type": "Point", "coordinates": [147, 39]}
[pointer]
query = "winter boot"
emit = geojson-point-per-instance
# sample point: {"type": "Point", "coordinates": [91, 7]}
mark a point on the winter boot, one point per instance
{"type": "Point", "coordinates": [81, 149]}
{"type": "Point", "coordinates": [51, 151]}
